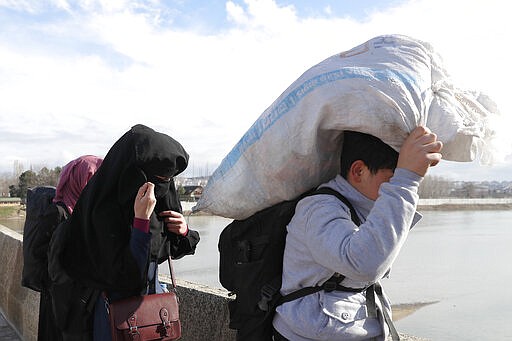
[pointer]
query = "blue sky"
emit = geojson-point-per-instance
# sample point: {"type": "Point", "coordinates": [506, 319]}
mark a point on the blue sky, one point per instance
{"type": "Point", "coordinates": [212, 14]}
{"type": "Point", "coordinates": [185, 14]}
{"type": "Point", "coordinates": [75, 75]}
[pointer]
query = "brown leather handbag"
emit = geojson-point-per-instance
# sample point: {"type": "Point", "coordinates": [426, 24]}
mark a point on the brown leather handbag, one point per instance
{"type": "Point", "coordinates": [147, 317]}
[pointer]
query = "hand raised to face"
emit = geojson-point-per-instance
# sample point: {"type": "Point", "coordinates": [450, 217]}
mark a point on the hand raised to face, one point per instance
{"type": "Point", "coordinates": [145, 201]}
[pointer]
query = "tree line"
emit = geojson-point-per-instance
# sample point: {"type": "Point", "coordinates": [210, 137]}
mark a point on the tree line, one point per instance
{"type": "Point", "coordinates": [30, 178]}
{"type": "Point", "coordinates": [430, 187]}
{"type": "Point", "coordinates": [17, 188]}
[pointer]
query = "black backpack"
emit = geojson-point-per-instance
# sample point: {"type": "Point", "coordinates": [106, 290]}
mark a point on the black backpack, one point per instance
{"type": "Point", "coordinates": [251, 266]}
{"type": "Point", "coordinates": [36, 240]}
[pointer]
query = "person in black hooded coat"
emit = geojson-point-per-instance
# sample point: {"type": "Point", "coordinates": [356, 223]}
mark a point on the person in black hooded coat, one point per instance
{"type": "Point", "coordinates": [103, 247]}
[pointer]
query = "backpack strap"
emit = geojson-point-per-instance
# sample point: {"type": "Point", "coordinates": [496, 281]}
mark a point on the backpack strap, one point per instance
{"type": "Point", "coordinates": [332, 283]}
{"type": "Point", "coordinates": [371, 291]}
{"type": "Point", "coordinates": [328, 190]}
{"type": "Point", "coordinates": [63, 210]}
{"type": "Point", "coordinates": [392, 330]}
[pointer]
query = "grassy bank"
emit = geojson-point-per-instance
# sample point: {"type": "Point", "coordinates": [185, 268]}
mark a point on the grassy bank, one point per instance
{"type": "Point", "coordinates": [9, 211]}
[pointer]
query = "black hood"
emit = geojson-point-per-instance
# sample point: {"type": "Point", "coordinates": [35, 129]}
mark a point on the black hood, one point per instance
{"type": "Point", "coordinates": [97, 244]}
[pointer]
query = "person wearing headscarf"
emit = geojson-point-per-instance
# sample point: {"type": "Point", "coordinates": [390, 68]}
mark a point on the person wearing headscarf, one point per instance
{"type": "Point", "coordinates": [72, 180]}
{"type": "Point", "coordinates": [107, 248]}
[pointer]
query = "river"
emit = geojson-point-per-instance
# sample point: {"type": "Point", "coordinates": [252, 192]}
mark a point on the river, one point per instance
{"type": "Point", "coordinates": [458, 259]}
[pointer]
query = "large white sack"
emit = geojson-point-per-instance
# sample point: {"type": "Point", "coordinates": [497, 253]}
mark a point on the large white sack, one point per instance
{"type": "Point", "coordinates": [384, 87]}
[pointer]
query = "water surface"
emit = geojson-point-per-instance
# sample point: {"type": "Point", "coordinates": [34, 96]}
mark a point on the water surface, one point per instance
{"type": "Point", "coordinates": [459, 259]}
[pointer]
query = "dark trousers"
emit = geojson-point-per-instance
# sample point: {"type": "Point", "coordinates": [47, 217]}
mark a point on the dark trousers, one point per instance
{"type": "Point", "coordinates": [47, 328]}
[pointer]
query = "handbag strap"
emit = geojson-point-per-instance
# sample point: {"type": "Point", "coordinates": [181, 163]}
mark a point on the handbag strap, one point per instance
{"type": "Point", "coordinates": [171, 271]}
{"type": "Point", "coordinates": [152, 283]}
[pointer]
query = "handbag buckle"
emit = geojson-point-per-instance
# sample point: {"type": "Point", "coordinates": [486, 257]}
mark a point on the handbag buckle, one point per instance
{"type": "Point", "coordinates": [133, 331]}
{"type": "Point", "coordinates": [166, 323]}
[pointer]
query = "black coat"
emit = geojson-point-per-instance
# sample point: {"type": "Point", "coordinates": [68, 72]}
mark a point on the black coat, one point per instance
{"type": "Point", "coordinates": [93, 246]}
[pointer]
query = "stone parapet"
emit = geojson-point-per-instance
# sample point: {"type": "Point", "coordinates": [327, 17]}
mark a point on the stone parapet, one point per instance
{"type": "Point", "coordinates": [19, 305]}
{"type": "Point", "coordinates": [203, 310]}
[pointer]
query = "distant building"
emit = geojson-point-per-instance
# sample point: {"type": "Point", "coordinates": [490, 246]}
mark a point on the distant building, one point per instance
{"type": "Point", "coordinates": [191, 193]}
{"type": "Point", "coordinates": [10, 201]}
{"type": "Point", "coordinates": [196, 181]}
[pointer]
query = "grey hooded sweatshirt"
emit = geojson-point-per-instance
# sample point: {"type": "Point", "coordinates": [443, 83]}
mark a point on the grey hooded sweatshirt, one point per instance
{"type": "Point", "coordinates": [323, 240]}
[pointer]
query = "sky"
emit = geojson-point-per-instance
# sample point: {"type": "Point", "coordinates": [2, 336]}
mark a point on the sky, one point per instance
{"type": "Point", "coordinates": [76, 75]}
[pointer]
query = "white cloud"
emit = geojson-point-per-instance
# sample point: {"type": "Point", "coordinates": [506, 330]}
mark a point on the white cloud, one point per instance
{"type": "Point", "coordinates": [110, 66]}
{"type": "Point", "coordinates": [262, 14]}
{"type": "Point", "coordinates": [236, 13]}
{"type": "Point", "coordinates": [20, 5]}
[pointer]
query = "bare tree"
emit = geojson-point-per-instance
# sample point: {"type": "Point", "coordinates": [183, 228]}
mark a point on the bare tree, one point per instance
{"type": "Point", "coordinates": [434, 187]}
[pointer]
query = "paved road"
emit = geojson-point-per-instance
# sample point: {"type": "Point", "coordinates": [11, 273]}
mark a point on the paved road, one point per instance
{"type": "Point", "coordinates": [7, 333]}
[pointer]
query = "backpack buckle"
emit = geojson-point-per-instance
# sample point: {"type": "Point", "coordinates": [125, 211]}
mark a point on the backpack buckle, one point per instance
{"type": "Point", "coordinates": [330, 285]}
{"type": "Point", "coordinates": [267, 293]}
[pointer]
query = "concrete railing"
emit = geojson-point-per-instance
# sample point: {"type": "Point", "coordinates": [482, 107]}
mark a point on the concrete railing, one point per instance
{"type": "Point", "coordinates": [203, 311]}
{"type": "Point", "coordinates": [19, 305]}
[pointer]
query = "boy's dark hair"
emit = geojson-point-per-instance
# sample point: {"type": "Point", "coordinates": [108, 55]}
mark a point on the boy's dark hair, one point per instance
{"type": "Point", "coordinates": [371, 150]}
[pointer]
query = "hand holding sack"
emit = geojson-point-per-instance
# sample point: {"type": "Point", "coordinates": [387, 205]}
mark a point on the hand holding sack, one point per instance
{"type": "Point", "coordinates": [385, 87]}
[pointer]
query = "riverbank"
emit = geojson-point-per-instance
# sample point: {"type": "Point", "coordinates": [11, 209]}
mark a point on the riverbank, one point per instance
{"type": "Point", "coordinates": [459, 204]}
{"type": "Point", "coordinates": [440, 204]}
{"type": "Point", "coordinates": [10, 211]}
{"type": "Point", "coordinates": [403, 310]}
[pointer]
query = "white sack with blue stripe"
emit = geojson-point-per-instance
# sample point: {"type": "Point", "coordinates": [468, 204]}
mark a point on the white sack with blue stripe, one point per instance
{"type": "Point", "coordinates": [384, 87]}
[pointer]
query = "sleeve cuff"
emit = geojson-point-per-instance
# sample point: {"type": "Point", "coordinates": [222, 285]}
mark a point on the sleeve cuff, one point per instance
{"type": "Point", "coordinates": [407, 177]}
{"type": "Point", "coordinates": [141, 224]}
